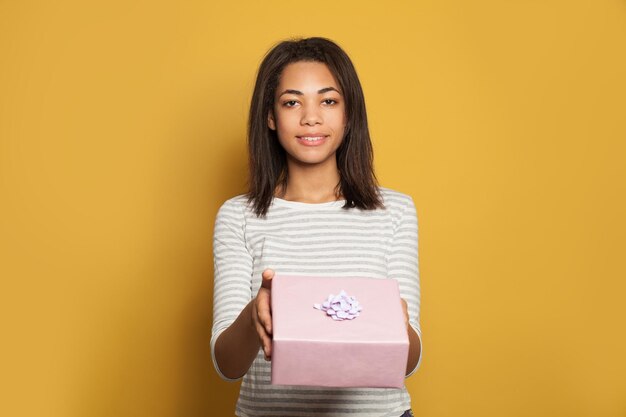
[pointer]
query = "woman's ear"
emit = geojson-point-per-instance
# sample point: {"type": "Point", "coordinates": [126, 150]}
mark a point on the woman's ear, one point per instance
{"type": "Point", "coordinates": [271, 123]}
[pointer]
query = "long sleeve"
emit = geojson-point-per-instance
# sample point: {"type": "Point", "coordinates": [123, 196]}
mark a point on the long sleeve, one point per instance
{"type": "Point", "coordinates": [232, 271]}
{"type": "Point", "coordinates": [403, 264]}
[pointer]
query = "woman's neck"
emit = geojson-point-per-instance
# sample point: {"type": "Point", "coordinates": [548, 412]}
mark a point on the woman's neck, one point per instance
{"type": "Point", "coordinates": [311, 183]}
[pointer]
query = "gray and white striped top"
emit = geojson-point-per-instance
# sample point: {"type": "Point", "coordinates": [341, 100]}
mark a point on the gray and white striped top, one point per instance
{"type": "Point", "coordinates": [312, 239]}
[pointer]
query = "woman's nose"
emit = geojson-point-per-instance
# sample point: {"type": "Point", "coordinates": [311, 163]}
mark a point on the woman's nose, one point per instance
{"type": "Point", "coordinates": [311, 116]}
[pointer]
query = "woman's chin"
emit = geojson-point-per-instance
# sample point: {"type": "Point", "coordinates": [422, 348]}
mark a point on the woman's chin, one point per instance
{"type": "Point", "coordinates": [312, 160]}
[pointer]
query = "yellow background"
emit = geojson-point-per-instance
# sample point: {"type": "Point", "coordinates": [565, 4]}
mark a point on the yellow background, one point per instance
{"type": "Point", "coordinates": [122, 128]}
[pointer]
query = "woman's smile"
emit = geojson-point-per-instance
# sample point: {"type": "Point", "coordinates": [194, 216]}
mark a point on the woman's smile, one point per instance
{"type": "Point", "coordinates": [312, 139]}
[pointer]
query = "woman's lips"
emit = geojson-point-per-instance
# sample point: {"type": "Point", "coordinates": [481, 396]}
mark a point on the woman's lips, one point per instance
{"type": "Point", "coordinates": [312, 140]}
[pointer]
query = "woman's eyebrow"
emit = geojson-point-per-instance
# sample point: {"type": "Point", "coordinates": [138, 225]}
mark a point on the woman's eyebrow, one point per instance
{"type": "Point", "coordinates": [299, 93]}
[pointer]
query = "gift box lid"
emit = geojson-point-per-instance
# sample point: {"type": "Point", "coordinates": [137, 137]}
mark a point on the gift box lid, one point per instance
{"type": "Point", "coordinates": [294, 317]}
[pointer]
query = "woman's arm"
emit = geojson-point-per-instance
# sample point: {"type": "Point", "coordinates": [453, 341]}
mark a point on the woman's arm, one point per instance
{"type": "Point", "coordinates": [403, 266]}
{"type": "Point", "coordinates": [237, 346]}
{"type": "Point", "coordinates": [234, 344]}
{"type": "Point", "coordinates": [415, 344]}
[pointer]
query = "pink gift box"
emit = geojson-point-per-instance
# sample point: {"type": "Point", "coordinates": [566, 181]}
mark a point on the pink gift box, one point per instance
{"type": "Point", "coordinates": [310, 348]}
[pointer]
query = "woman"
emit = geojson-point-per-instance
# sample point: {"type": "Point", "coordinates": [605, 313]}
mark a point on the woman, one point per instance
{"type": "Point", "coordinates": [313, 208]}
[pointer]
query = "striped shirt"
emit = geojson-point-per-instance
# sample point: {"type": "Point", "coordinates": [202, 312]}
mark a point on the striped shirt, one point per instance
{"type": "Point", "coordinates": [312, 239]}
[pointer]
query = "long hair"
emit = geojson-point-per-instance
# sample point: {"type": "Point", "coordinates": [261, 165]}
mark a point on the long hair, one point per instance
{"type": "Point", "coordinates": [267, 158]}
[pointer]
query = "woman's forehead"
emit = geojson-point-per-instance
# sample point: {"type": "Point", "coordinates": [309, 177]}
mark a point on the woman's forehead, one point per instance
{"type": "Point", "coordinates": [307, 77]}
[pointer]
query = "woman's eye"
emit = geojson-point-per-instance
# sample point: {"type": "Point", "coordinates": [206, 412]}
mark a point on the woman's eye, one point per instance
{"type": "Point", "coordinates": [330, 101]}
{"type": "Point", "coordinates": [289, 103]}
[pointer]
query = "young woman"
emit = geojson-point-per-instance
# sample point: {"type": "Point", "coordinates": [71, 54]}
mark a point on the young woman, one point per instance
{"type": "Point", "coordinates": [313, 208]}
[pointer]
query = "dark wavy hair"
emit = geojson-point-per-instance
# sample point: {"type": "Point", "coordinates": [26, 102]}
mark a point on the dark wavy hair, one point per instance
{"type": "Point", "coordinates": [267, 158]}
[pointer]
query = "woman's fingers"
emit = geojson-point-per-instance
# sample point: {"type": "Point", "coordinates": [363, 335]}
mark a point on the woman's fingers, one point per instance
{"type": "Point", "coordinates": [263, 313]}
{"type": "Point", "coordinates": [268, 350]}
{"type": "Point", "coordinates": [264, 339]}
{"type": "Point", "coordinates": [267, 276]}
{"type": "Point", "coordinates": [264, 335]}
{"type": "Point", "coordinates": [263, 319]}
{"type": "Point", "coordinates": [264, 310]}
{"type": "Point", "coordinates": [405, 310]}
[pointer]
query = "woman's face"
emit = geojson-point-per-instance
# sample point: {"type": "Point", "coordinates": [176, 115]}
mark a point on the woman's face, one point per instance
{"type": "Point", "coordinates": [308, 114]}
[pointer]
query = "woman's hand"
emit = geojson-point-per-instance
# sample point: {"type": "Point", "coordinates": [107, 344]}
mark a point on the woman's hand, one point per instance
{"type": "Point", "coordinates": [415, 344]}
{"type": "Point", "coordinates": [405, 310]}
{"type": "Point", "coordinates": [262, 313]}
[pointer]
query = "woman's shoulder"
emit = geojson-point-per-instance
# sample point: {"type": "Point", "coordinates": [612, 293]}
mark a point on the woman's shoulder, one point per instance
{"type": "Point", "coordinates": [394, 198]}
{"type": "Point", "coordinates": [234, 206]}
{"type": "Point", "coordinates": [239, 200]}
